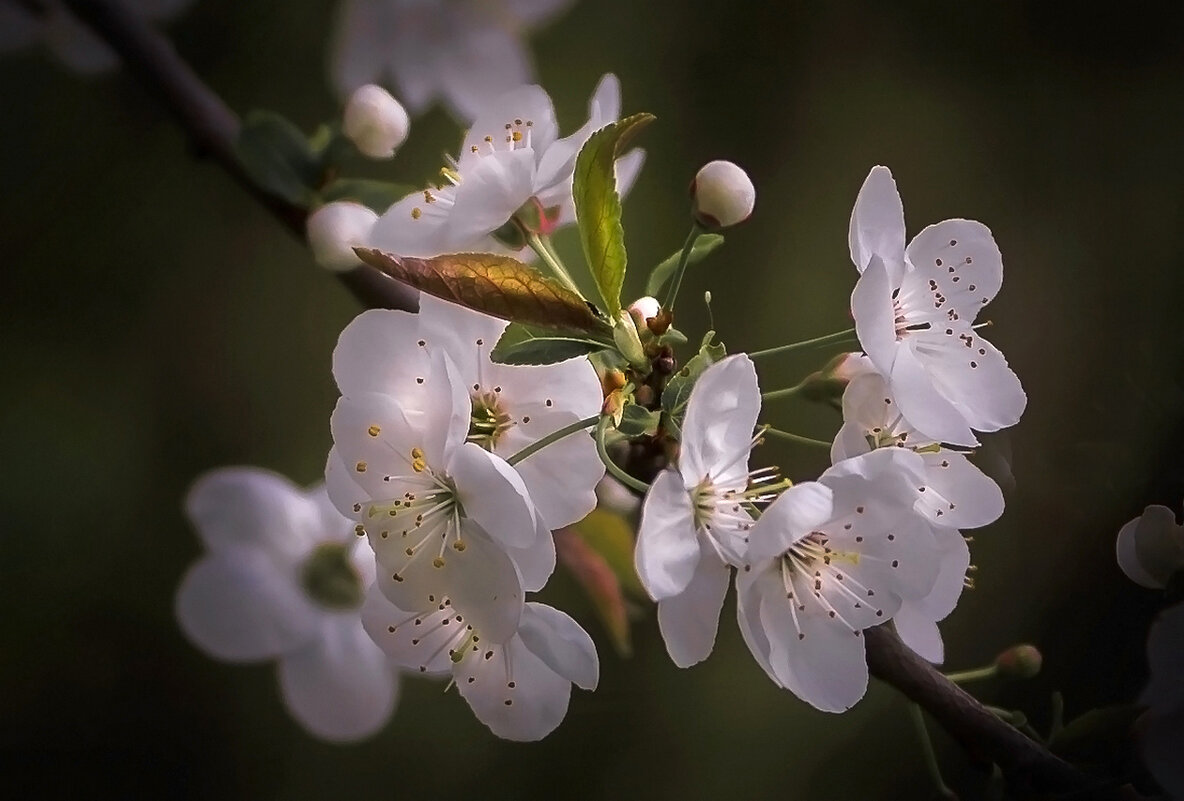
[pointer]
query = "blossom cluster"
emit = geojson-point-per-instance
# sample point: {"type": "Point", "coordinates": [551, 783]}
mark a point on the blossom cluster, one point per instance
{"type": "Point", "coordinates": [453, 464]}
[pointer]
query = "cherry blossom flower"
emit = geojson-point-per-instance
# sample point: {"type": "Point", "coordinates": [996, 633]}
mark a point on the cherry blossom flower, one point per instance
{"type": "Point", "coordinates": [914, 311]}
{"type": "Point", "coordinates": [514, 663]}
{"type": "Point", "coordinates": [284, 578]}
{"type": "Point", "coordinates": [509, 407]}
{"type": "Point", "coordinates": [511, 157]}
{"type": "Point", "coordinates": [1151, 547]}
{"type": "Point", "coordinates": [66, 36]}
{"type": "Point", "coordinates": [459, 51]}
{"type": "Point", "coordinates": [827, 560]}
{"type": "Point", "coordinates": [694, 521]}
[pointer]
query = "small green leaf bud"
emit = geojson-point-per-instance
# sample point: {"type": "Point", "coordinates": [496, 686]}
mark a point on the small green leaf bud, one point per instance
{"type": "Point", "coordinates": [335, 229]}
{"type": "Point", "coordinates": [375, 122]}
{"type": "Point", "coordinates": [629, 343]}
{"type": "Point", "coordinates": [723, 195]}
{"type": "Point", "coordinates": [1019, 662]}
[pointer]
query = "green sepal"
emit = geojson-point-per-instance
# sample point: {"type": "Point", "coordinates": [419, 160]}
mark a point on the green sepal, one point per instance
{"type": "Point", "coordinates": [598, 206]}
{"type": "Point", "coordinates": [699, 251]}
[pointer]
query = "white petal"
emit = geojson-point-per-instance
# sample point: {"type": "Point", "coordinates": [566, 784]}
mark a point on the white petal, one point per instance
{"type": "Point", "coordinates": [871, 306]}
{"type": "Point", "coordinates": [973, 376]}
{"type": "Point", "coordinates": [571, 387]}
{"type": "Point", "coordinates": [748, 612]}
{"type": "Point", "coordinates": [527, 103]}
{"type": "Point", "coordinates": [1151, 547]}
{"type": "Point", "coordinates": [418, 641]}
{"type": "Point", "coordinates": [536, 561]}
{"type": "Point", "coordinates": [413, 226]}
{"type": "Point", "coordinates": [799, 510]}
{"type": "Point", "coordinates": [919, 632]}
{"type": "Point", "coordinates": [236, 506]}
{"type": "Point", "coordinates": [378, 352]}
{"type": "Point", "coordinates": [718, 428]}
{"type": "Point", "coordinates": [689, 620]}
{"type": "Point", "coordinates": [341, 687]}
{"type": "Point", "coordinates": [920, 401]}
{"type": "Point", "coordinates": [819, 660]}
{"type": "Point", "coordinates": [877, 223]}
{"type": "Point", "coordinates": [667, 544]}
{"type": "Point", "coordinates": [958, 494]}
{"type": "Point", "coordinates": [493, 495]}
{"type": "Point", "coordinates": [850, 441]}
{"type": "Point", "coordinates": [961, 257]}
{"type": "Point", "coordinates": [530, 709]}
{"type": "Point", "coordinates": [494, 187]}
{"type": "Point", "coordinates": [374, 440]}
{"type": "Point", "coordinates": [482, 59]}
{"type": "Point", "coordinates": [561, 643]}
{"type": "Point", "coordinates": [237, 605]}
{"type": "Point", "coordinates": [562, 477]}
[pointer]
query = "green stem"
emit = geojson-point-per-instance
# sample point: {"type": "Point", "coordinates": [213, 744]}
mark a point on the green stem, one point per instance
{"type": "Point", "coordinates": [931, 765]}
{"type": "Point", "coordinates": [552, 260]}
{"type": "Point", "coordinates": [683, 260]}
{"type": "Point", "coordinates": [611, 466]}
{"type": "Point", "coordinates": [798, 438]}
{"type": "Point", "coordinates": [788, 392]}
{"type": "Point", "coordinates": [978, 674]}
{"type": "Point", "coordinates": [838, 336]}
{"type": "Point", "coordinates": [554, 436]}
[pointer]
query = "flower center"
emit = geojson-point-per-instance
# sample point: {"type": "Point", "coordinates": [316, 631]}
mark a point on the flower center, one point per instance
{"type": "Point", "coordinates": [725, 514]}
{"type": "Point", "coordinates": [812, 569]}
{"type": "Point", "coordinates": [329, 577]}
{"type": "Point", "coordinates": [489, 420]}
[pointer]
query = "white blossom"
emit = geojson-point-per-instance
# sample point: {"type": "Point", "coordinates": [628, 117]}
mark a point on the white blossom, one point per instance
{"type": "Point", "coordinates": [827, 560]}
{"type": "Point", "coordinates": [284, 578]}
{"type": "Point", "coordinates": [458, 51]}
{"type": "Point", "coordinates": [914, 311]}
{"type": "Point", "coordinates": [723, 195]}
{"type": "Point", "coordinates": [511, 157]}
{"type": "Point", "coordinates": [694, 523]}
{"type": "Point", "coordinates": [335, 229]}
{"type": "Point", "coordinates": [1151, 547]}
{"type": "Point", "coordinates": [375, 122]}
{"type": "Point", "coordinates": [70, 40]}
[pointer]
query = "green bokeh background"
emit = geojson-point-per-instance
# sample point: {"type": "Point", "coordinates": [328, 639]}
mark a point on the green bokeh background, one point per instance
{"type": "Point", "coordinates": [155, 322]}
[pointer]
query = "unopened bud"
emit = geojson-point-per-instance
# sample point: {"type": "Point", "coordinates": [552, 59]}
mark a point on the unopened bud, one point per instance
{"type": "Point", "coordinates": [612, 381]}
{"type": "Point", "coordinates": [335, 229]}
{"type": "Point", "coordinates": [375, 122]}
{"type": "Point", "coordinates": [629, 343]}
{"type": "Point", "coordinates": [723, 195]}
{"type": "Point", "coordinates": [643, 309]}
{"type": "Point", "coordinates": [1019, 662]}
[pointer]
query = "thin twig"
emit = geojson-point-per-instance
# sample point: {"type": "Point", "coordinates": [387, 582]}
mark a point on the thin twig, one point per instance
{"type": "Point", "coordinates": [212, 127]}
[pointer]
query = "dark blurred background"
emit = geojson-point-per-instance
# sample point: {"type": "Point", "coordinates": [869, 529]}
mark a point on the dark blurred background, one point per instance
{"type": "Point", "coordinates": [155, 322]}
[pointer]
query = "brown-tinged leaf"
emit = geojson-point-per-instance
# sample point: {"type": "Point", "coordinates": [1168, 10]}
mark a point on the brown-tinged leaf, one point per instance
{"type": "Point", "coordinates": [600, 583]}
{"type": "Point", "coordinates": [500, 286]}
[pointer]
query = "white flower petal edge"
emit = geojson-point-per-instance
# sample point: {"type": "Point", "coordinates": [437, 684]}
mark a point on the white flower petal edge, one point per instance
{"type": "Point", "coordinates": [827, 562]}
{"type": "Point", "coordinates": [1150, 548]}
{"type": "Point", "coordinates": [284, 579]}
{"type": "Point", "coordinates": [916, 620]}
{"type": "Point", "coordinates": [914, 317]}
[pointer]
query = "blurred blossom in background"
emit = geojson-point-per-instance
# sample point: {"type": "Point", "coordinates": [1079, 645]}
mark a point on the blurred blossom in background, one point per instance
{"type": "Point", "coordinates": [157, 323]}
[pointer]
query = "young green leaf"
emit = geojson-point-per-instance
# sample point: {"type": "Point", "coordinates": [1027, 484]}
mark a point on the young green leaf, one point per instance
{"type": "Point", "coordinates": [278, 157]}
{"type": "Point", "coordinates": [662, 273]}
{"type": "Point", "coordinates": [637, 420]}
{"type": "Point", "coordinates": [598, 206]}
{"type": "Point", "coordinates": [500, 286]}
{"type": "Point", "coordinates": [522, 344]}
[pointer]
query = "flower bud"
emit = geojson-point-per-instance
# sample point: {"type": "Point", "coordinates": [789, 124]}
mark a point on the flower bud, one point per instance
{"type": "Point", "coordinates": [1019, 662]}
{"type": "Point", "coordinates": [643, 309]}
{"type": "Point", "coordinates": [335, 229]}
{"type": "Point", "coordinates": [722, 194]}
{"type": "Point", "coordinates": [629, 343]}
{"type": "Point", "coordinates": [375, 122]}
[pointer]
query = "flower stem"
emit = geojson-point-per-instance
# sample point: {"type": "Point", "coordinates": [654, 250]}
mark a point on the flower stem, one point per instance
{"type": "Point", "coordinates": [611, 466]}
{"type": "Point", "coordinates": [788, 392]}
{"type": "Point", "coordinates": [977, 674]}
{"type": "Point", "coordinates": [798, 438]}
{"type": "Point", "coordinates": [683, 260]}
{"type": "Point", "coordinates": [553, 437]}
{"type": "Point", "coordinates": [930, 755]}
{"type": "Point", "coordinates": [540, 246]}
{"type": "Point", "coordinates": [838, 336]}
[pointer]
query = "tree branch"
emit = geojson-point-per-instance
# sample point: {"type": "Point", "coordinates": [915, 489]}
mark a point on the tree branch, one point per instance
{"type": "Point", "coordinates": [212, 127]}
{"type": "Point", "coordinates": [1031, 770]}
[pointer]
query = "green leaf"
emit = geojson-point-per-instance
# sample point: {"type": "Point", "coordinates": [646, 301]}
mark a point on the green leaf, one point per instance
{"type": "Point", "coordinates": [378, 195]}
{"type": "Point", "coordinates": [500, 286]}
{"type": "Point", "coordinates": [678, 389]}
{"type": "Point", "coordinates": [278, 157]}
{"type": "Point", "coordinates": [663, 272]}
{"type": "Point", "coordinates": [523, 344]}
{"type": "Point", "coordinates": [598, 206]}
{"type": "Point", "coordinates": [637, 420]}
